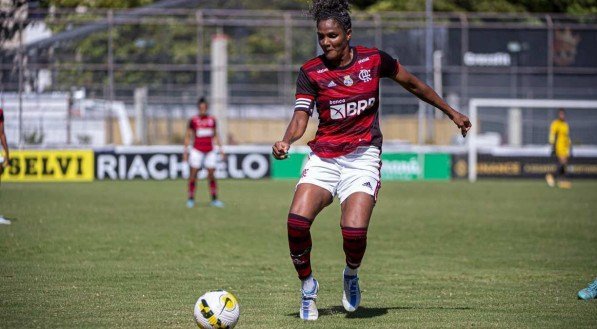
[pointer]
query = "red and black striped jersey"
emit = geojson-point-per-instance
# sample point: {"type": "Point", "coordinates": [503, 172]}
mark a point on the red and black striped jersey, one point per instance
{"type": "Point", "coordinates": [204, 128]}
{"type": "Point", "coordinates": [346, 98]}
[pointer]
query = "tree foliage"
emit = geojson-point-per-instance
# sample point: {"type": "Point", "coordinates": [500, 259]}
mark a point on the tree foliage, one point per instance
{"type": "Point", "coordinates": [537, 6]}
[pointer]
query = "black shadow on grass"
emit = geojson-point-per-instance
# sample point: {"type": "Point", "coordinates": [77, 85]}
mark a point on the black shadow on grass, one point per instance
{"type": "Point", "coordinates": [372, 312]}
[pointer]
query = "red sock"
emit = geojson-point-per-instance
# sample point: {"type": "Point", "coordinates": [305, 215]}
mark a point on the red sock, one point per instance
{"type": "Point", "coordinates": [213, 189]}
{"type": "Point", "coordinates": [192, 189]}
{"type": "Point", "coordinates": [299, 241]}
{"type": "Point", "coordinates": [355, 243]}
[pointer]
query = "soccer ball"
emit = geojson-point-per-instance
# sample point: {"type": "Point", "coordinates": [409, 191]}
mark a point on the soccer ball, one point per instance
{"type": "Point", "coordinates": [217, 310]}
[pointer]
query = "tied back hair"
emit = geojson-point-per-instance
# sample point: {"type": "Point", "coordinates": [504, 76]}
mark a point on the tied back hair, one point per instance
{"type": "Point", "coordinates": [338, 10]}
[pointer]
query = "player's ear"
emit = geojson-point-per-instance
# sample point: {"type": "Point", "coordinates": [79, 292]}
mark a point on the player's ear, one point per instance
{"type": "Point", "coordinates": [348, 34]}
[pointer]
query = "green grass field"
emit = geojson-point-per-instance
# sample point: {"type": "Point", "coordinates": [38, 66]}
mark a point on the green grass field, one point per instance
{"type": "Point", "coordinates": [502, 254]}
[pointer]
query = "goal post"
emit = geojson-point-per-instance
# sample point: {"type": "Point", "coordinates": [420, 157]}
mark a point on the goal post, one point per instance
{"type": "Point", "coordinates": [476, 103]}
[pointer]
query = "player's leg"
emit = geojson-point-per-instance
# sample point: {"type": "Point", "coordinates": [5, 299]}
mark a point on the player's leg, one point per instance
{"type": "Point", "coordinates": [191, 187]}
{"type": "Point", "coordinates": [210, 163]}
{"type": "Point", "coordinates": [562, 180]}
{"type": "Point", "coordinates": [357, 190]}
{"type": "Point", "coordinates": [308, 201]}
{"type": "Point", "coordinates": [194, 164]}
{"type": "Point", "coordinates": [356, 214]}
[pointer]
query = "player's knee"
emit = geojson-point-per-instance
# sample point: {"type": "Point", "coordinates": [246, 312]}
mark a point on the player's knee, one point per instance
{"type": "Point", "coordinates": [354, 233]}
{"type": "Point", "coordinates": [298, 223]}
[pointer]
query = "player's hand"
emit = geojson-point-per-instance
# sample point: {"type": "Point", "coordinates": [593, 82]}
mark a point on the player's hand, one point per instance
{"type": "Point", "coordinates": [223, 156]}
{"type": "Point", "coordinates": [185, 156]}
{"type": "Point", "coordinates": [6, 162]}
{"type": "Point", "coordinates": [463, 123]}
{"type": "Point", "coordinates": [280, 150]}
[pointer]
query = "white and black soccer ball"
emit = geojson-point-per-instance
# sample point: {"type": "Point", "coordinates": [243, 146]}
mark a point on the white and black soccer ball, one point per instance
{"type": "Point", "coordinates": [217, 310]}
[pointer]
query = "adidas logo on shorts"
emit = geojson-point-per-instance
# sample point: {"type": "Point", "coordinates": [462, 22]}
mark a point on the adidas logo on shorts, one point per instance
{"type": "Point", "coordinates": [367, 184]}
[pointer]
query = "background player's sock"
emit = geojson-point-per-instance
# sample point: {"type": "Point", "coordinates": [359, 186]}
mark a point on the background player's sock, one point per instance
{"type": "Point", "coordinates": [192, 190]}
{"type": "Point", "coordinates": [299, 242]}
{"type": "Point", "coordinates": [213, 189]}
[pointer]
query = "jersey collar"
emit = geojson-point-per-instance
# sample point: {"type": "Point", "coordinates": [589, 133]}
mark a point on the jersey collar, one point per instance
{"type": "Point", "coordinates": [337, 68]}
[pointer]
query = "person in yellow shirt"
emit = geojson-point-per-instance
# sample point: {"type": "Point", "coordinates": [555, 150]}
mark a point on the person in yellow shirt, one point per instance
{"type": "Point", "coordinates": [559, 138]}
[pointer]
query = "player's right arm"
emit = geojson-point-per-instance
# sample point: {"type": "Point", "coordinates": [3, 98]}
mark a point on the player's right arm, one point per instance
{"type": "Point", "coordinates": [553, 129]}
{"type": "Point", "coordinates": [4, 145]}
{"type": "Point", "coordinates": [187, 140]}
{"type": "Point", "coordinates": [295, 130]}
{"type": "Point", "coordinates": [305, 100]}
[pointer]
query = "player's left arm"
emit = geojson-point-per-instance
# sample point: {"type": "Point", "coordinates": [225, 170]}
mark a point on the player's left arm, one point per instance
{"type": "Point", "coordinates": [428, 95]}
{"type": "Point", "coordinates": [4, 145]}
{"type": "Point", "coordinates": [218, 143]}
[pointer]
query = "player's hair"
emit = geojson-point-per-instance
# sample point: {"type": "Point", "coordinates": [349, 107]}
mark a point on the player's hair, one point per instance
{"type": "Point", "coordinates": [335, 9]}
{"type": "Point", "coordinates": [201, 100]}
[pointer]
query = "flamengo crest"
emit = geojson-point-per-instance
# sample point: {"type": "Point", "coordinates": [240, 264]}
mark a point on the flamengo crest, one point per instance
{"type": "Point", "coordinates": [365, 75]}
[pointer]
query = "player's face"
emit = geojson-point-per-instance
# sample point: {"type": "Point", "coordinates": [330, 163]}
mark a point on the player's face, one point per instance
{"type": "Point", "coordinates": [562, 115]}
{"type": "Point", "coordinates": [202, 108]}
{"type": "Point", "coordinates": [333, 40]}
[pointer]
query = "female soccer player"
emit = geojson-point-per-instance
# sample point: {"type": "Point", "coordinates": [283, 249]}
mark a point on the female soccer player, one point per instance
{"type": "Point", "coordinates": [345, 161]}
{"type": "Point", "coordinates": [202, 128]}
{"type": "Point", "coordinates": [559, 138]}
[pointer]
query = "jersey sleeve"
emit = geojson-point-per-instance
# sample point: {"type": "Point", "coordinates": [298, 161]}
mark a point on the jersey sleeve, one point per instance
{"type": "Point", "coordinates": [389, 66]}
{"type": "Point", "coordinates": [190, 125]}
{"type": "Point", "coordinates": [552, 132]}
{"type": "Point", "coordinates": [1, 116]}
{"type": "Point", "coordinates": [305, 93]}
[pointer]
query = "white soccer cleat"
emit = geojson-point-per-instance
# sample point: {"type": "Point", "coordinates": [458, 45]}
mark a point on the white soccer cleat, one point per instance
{"type": "Point", "coordinates": [308, 311]}
{"type": "Point", "coordinates": [351, 296]}
{"type": "Point", "coordinates": [4, 221]}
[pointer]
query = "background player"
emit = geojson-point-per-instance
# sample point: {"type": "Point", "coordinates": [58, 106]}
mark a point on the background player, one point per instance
{"type": "Point", "coordinates": [343, 84]}
{"type": "Point", "coordinates": [559, 138]}
{"type": "Point", "coordinates": [203, 129]}
{"type": "Point", "coordinates": [5, 162]}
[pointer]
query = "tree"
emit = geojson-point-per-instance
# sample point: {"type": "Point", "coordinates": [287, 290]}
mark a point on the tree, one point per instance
{"type": "Point", "coordinates": [540, 6]}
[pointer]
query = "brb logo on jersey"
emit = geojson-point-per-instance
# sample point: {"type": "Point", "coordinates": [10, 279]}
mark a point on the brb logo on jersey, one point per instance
{"type": "Point", "coordinates": [340, 110]}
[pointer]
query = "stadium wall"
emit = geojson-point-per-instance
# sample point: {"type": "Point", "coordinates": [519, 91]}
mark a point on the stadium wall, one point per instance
{"type": "Point", "coordinates": [404, 163]}
{"type": "Point", "coordinates": [165, 131]}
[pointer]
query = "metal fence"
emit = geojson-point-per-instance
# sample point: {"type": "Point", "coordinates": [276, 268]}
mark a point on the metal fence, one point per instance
{"type": "Point", "coordinates": [108, 54]}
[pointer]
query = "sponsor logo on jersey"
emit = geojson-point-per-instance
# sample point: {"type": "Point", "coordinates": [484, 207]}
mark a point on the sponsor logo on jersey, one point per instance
{"type": "Point", "coordinates": [365, 75]}
{"type": "Point", "coordinates": [322, 70]}
{"type": "Point", "coordinates": [348, 81]}
{"type": "Point", "coordinates": [204, 132]}
{"type": "Point", "coordinates": [337, 101]}
{"type": "Point", "coordinates": [332, 84]}
{"type": "Point", "coordinates": [366, 59]}
{"type": "Point", "coordinates": [350, 109]}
